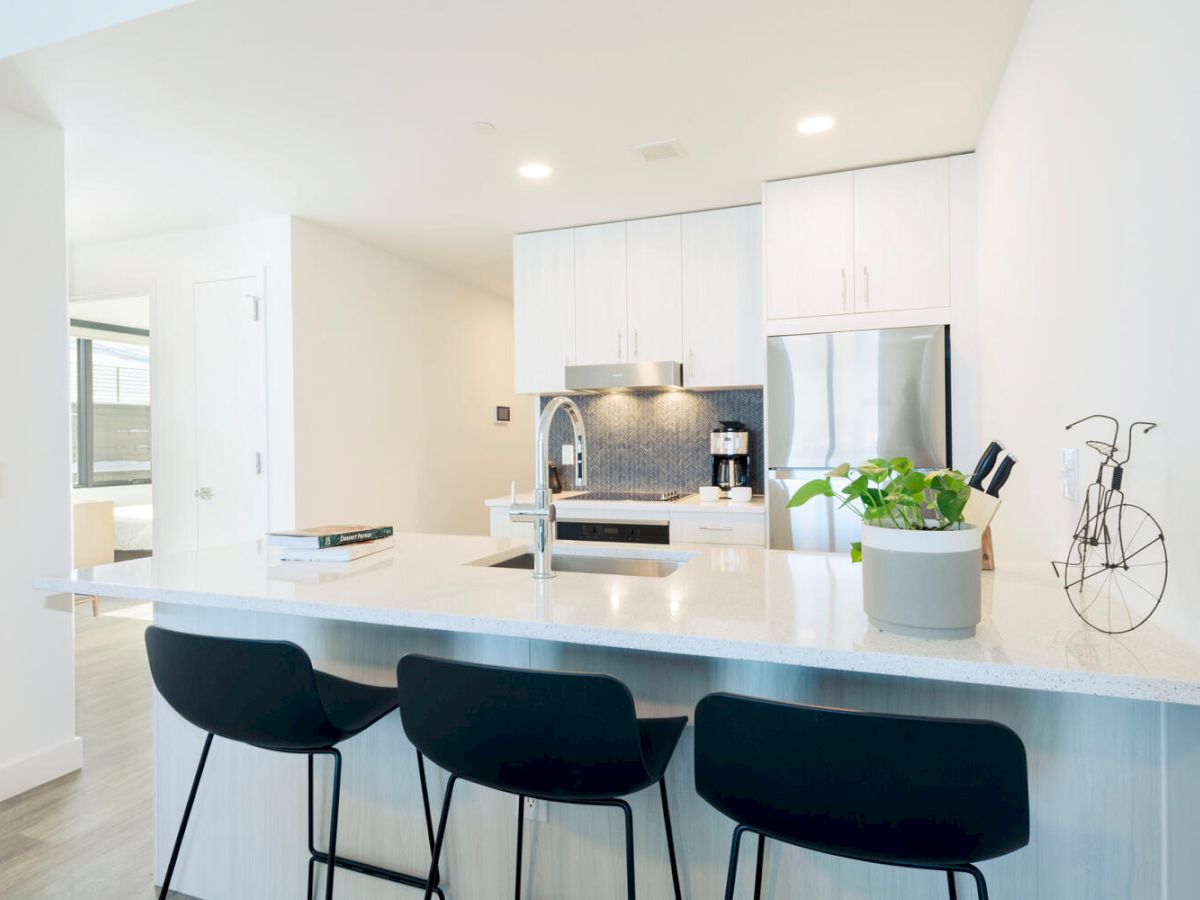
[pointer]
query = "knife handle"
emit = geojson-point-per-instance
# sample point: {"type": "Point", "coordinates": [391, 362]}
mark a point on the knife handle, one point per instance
{"type": "Point", "coordinates": [986, 462]}
{"type": "Point", "coordinates": [1001, 476]}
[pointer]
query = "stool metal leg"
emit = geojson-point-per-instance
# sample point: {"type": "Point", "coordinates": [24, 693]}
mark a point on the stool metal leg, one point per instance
{"type": "Point", "coordinates": [758, 867]}
{"type": "Point", "coordinates": [980, 884]}
{"type": "Point", "coordinates": [631, 889]}
{"type": "Point", "coordinates": [441, 834]}
{"type": "Point", "coordinates": [187, 814]}
{"type": "Point", "coordinates": [731, 878]}
{"type": "Point", "coordinates": [333, 823]}
{"type": "Point", "coordinates": [951, 885]}
{"type": "Point", "coordinates": [520, 841]}
{"type": "Point", "coordinates": [437, 876]}
{"type": "Point", "coordinates": [662, 787]}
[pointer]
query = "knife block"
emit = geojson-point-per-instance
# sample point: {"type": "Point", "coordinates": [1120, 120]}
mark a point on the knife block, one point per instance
{"type": "Point", "coordinates": [988, 559]}
{"type": "Point", "coordinates": [980, 510]}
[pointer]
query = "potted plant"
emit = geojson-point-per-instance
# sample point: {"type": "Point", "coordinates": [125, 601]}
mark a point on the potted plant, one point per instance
{"type": "Point", "coordinates": [921, 561]}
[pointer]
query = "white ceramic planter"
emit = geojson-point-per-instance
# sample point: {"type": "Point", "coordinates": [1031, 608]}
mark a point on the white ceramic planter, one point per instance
{"type": "Point", "coordinates": [922, 583]}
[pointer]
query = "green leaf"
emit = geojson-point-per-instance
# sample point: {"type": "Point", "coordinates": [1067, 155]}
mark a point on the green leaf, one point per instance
{"type": "Point", "coordinates": [875, 513]}
{"type": "Point", "coordinates": [818, 487]}
{"type": "Point", "coordinates": [913, 483]}
{"type": "Point", "coordinates": [842, 471]}
{"type": "Point", "coordinates": [952, 503]}
{"type": "Point", "coordinates": [900, 464]}
{"type": "Point", "coordinates": [856, 551]}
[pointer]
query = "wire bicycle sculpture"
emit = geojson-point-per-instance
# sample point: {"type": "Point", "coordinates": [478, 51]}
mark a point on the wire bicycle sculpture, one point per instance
{"type": "Point", "coordinates": [1116, 570]}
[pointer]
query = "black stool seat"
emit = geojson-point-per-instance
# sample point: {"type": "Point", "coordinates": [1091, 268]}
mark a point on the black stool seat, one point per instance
{"type": "Point", "coordinates": [268, 695]}
{"type": "Point", "coordinates": [351, 706]}
{"type": "Point", "coordinates": [560, 736]}
{"type": "Point", "coordinates": [908, 791]}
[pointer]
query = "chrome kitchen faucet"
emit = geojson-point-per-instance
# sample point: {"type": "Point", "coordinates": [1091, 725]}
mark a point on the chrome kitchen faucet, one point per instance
{"type": "Point", "coordinates": [541, 511]}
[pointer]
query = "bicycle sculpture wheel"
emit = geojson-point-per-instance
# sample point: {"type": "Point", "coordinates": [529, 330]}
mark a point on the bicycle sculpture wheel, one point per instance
{"type": "Point", "coordinates": [1116, 570]}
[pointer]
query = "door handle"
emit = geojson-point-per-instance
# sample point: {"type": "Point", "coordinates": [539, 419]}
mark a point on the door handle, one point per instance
{"type": "Point", "coordinates": [635, 344]}
{"type": "Point", "coordinates": [866, 287]}
{"type": "Point", "coordinates": [204, 493]}
{"type": "Point", "coordinates": [618, 343]}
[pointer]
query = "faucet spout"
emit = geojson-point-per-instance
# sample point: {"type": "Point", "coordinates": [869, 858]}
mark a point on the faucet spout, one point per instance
{"type": "Point", "coordinates": [541, 512]}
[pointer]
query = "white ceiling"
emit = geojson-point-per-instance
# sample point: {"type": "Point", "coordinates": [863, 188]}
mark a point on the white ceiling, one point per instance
{"type": "Point", "coordinates": [357, 114]}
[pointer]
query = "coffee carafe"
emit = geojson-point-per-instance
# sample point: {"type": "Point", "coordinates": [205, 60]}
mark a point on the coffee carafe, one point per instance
{"type": "Point", "coordinates": [730, 448]}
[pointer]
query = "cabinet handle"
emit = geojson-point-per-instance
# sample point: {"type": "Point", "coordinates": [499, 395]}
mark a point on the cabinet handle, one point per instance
{"type": "Point", "coordinates": [866, 288]}
{"type": "Point", "coordinates": [843, 289]}
{"type": "Point", "coordinates": [618, 343]}
{"type": "Point", "coordinates": [635, 344]}
{"type": "Point", "coordinates": [716, 528]}
{"type": "Point", "coordinates": [691, 364]}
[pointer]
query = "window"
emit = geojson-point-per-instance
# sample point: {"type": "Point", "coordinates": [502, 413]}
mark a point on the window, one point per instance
{"type": "Point", "coordinates": [110, 412]}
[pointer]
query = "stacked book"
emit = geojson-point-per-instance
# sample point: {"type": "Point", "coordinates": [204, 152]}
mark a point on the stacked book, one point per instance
{"type": "Point", "coordinates": [331, 543]}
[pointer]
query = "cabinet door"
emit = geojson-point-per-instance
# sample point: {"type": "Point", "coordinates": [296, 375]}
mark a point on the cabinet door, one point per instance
{"type": "Point", "coordinates": [809, 238]}
{"type": "Point", "coordinates": [600, 307]}
{"type": "Point", "coordinates": [902, 236]}
{"type": "Point", "coordinates": [543, 309]}
{"type": "Point", "coordinates": [655, 278]}
{"type": "Point", "coordinates": [722, 298]}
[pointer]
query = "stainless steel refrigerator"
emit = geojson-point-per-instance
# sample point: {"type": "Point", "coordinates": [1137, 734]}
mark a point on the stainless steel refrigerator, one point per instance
{"type": "Point", "coordinates": [849, 397]}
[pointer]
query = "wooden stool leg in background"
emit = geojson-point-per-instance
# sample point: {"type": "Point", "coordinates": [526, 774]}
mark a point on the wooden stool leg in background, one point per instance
{"type": "Point", "coordinates": [989, 560]}
{"type": "Point", "coordinates": [95, 605]}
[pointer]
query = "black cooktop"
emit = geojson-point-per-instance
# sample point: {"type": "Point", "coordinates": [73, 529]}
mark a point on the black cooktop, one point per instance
{"type": "Point", "coordinates": [631, 495]}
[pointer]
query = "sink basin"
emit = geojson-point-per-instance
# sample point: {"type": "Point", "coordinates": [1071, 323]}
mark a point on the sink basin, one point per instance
{"type": "Point", "coordinates": [598, 565]}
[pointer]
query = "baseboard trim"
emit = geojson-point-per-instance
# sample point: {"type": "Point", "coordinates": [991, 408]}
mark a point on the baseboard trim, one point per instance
{"type": "Point", "coordinates": [34, 770]}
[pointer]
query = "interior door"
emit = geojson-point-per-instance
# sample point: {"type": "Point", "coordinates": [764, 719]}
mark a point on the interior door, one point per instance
{"type": "Point", "coordinates": [810, 246]}
{"type": "Point", "coordinates": [601, 317]}
{"type": "Point", "coordinates": [231, 411]}
{"type": "Point", "coordinates": [654, 254]}
{"type": "Point", "coordinates": [902, 236]}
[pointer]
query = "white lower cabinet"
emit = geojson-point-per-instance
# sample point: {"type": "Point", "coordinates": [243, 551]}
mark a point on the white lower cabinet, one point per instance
{"type": "Point", "coordinates": [718, 528]}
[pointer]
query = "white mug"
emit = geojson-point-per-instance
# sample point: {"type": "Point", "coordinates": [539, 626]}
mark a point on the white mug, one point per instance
{"type": "Point", "coordinates": [710, 493]}
{"type": "Point", "coordinates": [740, 494]}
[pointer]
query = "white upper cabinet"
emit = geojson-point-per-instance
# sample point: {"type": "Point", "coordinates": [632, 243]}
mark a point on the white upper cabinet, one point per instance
{"type": "Point", "coordinates": [655, 289]}
{"type": "Point", "coordinates": [601, 315]}
{"type": "Point", "coordinates": [809, 236]}
{"type": "Point", "coordinates": [723, 338]}
{"type": "Point", "coordinates": [543, 309]}
{"type": "Point", "coordinates": [902, 236]}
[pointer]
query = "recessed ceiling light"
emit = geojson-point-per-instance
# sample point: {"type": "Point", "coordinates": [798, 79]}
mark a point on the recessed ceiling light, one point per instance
{"type": "Point", "coordinates": [535, 170]}
{"type": "Point", "coordinates": [815, 124]}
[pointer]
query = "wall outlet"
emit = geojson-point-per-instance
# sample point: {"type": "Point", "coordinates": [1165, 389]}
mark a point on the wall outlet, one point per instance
{"type": "Point", "coordinates": [568, 454]}
{"type": "Point", "coordinates": [535, 810]}
{"type": "Point", "coordinates": [1069, 473]}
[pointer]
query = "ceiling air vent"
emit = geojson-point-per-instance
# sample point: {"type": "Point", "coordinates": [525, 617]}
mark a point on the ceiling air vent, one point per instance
{"type": "Point", "coordinates": [656, 151]}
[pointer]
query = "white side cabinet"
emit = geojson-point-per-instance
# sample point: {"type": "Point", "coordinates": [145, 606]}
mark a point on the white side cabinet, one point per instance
{"type": "Point", "coordinates": [601, 312]}
{"type": "Point", "coordinates": [655, 280]}
{"type": "Point", "coordinates": [543, 309]}
{"type": "Point", "coordinates": [723, 337]}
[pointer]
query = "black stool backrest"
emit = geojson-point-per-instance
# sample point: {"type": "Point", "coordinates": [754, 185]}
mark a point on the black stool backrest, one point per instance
{"type": "Point", "coordinates": [872, 786]}
{"type": "Point", "coordinates": [257, 692]}
{"type": "Point", "coordinates": [522, 730]}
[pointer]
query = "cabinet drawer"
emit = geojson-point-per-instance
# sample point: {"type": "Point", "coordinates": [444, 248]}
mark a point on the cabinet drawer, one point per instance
{"type": "Point", "coordinates": [718, 528]}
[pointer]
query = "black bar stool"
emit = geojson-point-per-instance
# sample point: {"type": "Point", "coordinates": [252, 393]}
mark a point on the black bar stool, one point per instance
{"type": "Point", "coordinates": [924, 793]}
{"type": "Point", "coordinates": [556, 736]}
{"type": "Point", "coordinates": [267, 694]}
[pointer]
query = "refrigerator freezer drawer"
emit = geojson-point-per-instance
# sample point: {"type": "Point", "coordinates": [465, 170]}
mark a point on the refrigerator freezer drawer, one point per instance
{"type": "Point", "coordinates": [818, 525]}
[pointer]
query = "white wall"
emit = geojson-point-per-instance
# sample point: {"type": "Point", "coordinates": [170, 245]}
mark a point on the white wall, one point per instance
{"type": "Point", "coordinates": [24, 26]}
{"type": "Point", "coordinates": [37, 701]}
{"type": "Point", "coordinates": [120, 495]}
{"type": "Point", "coordinates": [1089, 226]}
{"type": "Point", "coordinates": [398, 369]}
{"type": "Point", "coordinates": [165, 268]}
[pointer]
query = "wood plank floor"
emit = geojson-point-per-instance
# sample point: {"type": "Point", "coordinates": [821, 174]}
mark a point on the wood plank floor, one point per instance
{"type": "Point", "coordinates": [88, 835]}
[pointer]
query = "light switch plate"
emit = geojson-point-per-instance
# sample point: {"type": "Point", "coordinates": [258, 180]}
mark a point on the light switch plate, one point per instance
{"type": "Point", "coordinates": [1069, 473]}
{"type": "Point", "coordinates": [535, 810]}
{"type": "Point", "coordinates": [568, 455]}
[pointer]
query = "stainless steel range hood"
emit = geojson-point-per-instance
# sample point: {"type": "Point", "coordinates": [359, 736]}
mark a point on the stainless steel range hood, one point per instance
{"type": "Point", "coordinates": [647, 376]}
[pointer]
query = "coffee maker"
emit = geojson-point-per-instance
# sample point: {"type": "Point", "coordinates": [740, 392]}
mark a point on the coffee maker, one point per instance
{"type": "Point", "coordinates": [730, 447]}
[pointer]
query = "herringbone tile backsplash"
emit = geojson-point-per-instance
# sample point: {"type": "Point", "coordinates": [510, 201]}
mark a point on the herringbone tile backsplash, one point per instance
{"type": "Point", "coordinates": [658, 440]}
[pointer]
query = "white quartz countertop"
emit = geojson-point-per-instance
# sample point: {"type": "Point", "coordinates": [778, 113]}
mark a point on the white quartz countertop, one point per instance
{"type": "Point", "coordinates": [567, 502]}
{"type": "Point", "coordinates": [742, 603]}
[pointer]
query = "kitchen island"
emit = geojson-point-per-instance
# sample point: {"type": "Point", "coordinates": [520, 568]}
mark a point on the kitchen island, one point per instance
{"type": "Point", "coordinates": [1112, 725]}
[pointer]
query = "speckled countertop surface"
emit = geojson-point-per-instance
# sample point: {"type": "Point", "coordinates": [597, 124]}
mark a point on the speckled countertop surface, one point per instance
{"type": "Point", "coordinates": [725, 602]}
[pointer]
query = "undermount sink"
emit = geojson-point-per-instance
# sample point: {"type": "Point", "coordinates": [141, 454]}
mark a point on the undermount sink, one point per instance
{"type": "Point", "coordinates": [658, 567]}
